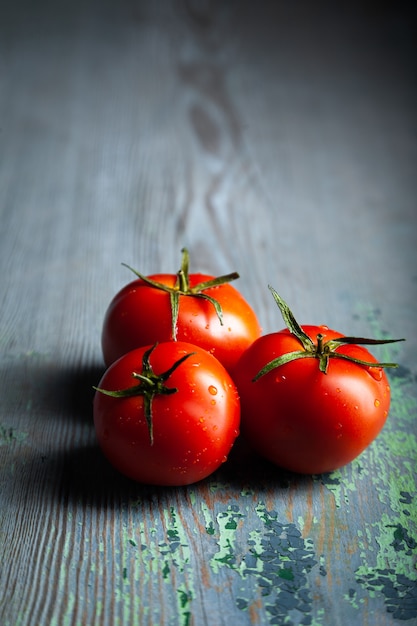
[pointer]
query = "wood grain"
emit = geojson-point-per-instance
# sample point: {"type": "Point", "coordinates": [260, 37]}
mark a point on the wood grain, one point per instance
{"type": "Point", "coordinates": [276, 139]}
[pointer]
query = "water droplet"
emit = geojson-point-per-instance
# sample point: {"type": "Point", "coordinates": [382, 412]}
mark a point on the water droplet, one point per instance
{"type": "Point", "coordinates": [324, 327]}
{"type": "Point", "coordinates": [207, 326]}
{"type": "Point", "coordinates": [280, 379]}
{"type": "Point", "coordinates": [213, 402]}
{"type": "Point", "coordinates": [388, 388]}
{"type": "Point", "coordinates": [338, 390]}
{"type": "Point", "coordinates": [224, 459]}
{"type": "Point", "coordinates": [213, 390]}
{"type": "Point", "coordinates": [375, 372]}
{"type": "Point", "coordinates": [377, 402]}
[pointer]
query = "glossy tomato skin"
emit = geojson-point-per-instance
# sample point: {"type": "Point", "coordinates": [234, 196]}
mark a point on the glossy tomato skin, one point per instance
{"type": "Point", "coordinates": [141, 315]}
{"type": "Point", "coordinates": [304, 420]}
{"type": "Point", "coordinates": [193, 429]}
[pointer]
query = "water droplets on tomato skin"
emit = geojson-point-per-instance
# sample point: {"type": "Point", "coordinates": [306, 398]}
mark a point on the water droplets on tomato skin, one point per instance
{"type": "Point", "coordinates": [280, 379]}
{"type": "Point", "coordinates": [375, 372]}
{"type": "Point", "coordinates": [212, 390]}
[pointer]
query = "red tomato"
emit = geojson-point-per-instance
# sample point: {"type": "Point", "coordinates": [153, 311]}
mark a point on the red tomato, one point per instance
{"type": "Point", "coordinates": [311, 414]}
{"type": "Point", "coordinates": [177, 421]}
{"type": "Point", "coordinates": [142, 314]}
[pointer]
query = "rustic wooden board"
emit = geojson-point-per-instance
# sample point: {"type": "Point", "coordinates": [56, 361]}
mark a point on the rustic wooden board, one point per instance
{"type": "Point", "coordinates": [277, 139]}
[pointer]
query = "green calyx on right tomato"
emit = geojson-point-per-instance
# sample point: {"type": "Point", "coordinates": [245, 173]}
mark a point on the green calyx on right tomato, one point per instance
{"type": "Point", "coordinates": [323, 351]}
{"type": "Point", "coordinates": [303, 413]}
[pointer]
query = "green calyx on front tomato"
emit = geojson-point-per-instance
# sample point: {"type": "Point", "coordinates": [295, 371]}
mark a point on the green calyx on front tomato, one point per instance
{"type": "Point", "coordinates": [321, 351]}
{"type": "Point", "coordinates": [182, 288]}
{"type": "Point", "coordinates": [150, 385]}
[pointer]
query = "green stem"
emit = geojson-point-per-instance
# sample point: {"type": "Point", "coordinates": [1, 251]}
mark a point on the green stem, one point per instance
{"type": "Point", "coordinates": [182, 288]}
{"type": "Point", "coordinates": [323, 351]}
{"type": "Point", "coordinates": [149, 386]}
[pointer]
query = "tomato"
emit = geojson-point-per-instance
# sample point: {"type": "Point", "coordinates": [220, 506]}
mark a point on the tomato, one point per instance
{"type": "Point", "coordinates": [311, 399]}
{"type": "Point", "coordinates": [167, 414]}
{"type": "Point", "coordinates": [195, 308]}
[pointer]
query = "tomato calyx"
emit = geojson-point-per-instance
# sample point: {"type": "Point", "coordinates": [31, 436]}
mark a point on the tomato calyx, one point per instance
{"type": "Point", "coordinates": [149, 386]}
{"type": "Point", "coordinates": [182, 288]}
{"type": "Point", "coordinates": [323, 351]}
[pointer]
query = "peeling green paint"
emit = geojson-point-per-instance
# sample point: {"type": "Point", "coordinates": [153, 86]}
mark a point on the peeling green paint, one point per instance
{"type": "Point", "coordinates": [387, 545]}
{"type": "Point", "coordinates": [10, 435]}
{"type": "Point", "coordinates": [227, 522]}
{"type": "Point", "coordinates": [279, 562]}
{"type": "Point", "coordinates": [184, 601]}
{"type": "Point", "coordinates": [392, 572]}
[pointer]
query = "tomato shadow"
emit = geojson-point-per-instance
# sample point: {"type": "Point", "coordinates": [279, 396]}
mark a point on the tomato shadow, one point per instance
{"type": "Point", "coordinates": [83, 477]}
{"type": "Point", "coordinates": [47, 389]}
{"type": "Point", "coordinates": [71, 391]}
{"type": "Point", "coordinates": [86, 477]}
{"type": "Point", "coordinates": [245, 469]}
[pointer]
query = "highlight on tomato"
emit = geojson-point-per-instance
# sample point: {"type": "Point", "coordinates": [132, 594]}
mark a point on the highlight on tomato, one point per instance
{"type": "Point", "coordinates": [312, 399]}
{"type": "Point", "coordinates": [166, 414]}
{"type": "Point", "coordinates": [196, 308]}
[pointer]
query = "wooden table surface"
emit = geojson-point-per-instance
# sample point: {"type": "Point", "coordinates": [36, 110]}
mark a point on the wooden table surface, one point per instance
{"type": "Point", "coordinates": [276, 139]}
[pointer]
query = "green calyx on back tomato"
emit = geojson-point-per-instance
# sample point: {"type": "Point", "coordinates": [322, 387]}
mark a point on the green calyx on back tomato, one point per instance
{"type": "Point", "coordinates": [311, 406]}
{"type": "Point", "coordinates": [196, 308]}
{"type": "Point", "coordinates": [167, 414]}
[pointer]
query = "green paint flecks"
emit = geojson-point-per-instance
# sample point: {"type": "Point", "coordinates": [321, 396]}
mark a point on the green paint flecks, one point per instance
{"type": "Point", "coordinates": [275, 560]}
{"type": "Point", "coordinates": [280, 569]}
{"type": "Point", "coordinates": [227, 522]}
{"type": "Point", "coordinates": [388, 546]}
{"type": "Point", "coordinates": [163, 551]}
{"type": "Point", "coordinates": [272, 562]}
{"type": "Point", "coordinates": [9, 435]}
{"type": "Point", "coordinates": [184, 601]}
{"type": "Point", "coordinates": [394, 573]}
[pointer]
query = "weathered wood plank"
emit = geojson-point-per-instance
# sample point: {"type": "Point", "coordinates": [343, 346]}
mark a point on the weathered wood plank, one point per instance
{"type": "Point", "coordinates": [268, 138]}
